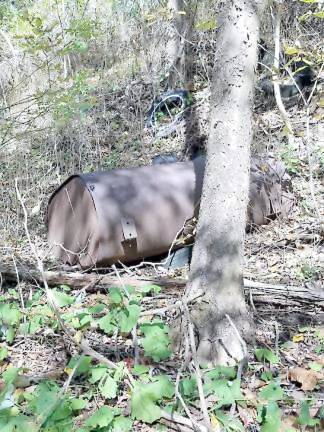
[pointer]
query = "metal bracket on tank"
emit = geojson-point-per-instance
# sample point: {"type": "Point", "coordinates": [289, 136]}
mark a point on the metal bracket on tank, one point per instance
{"type": "Point", "coordinates": [130, 234]}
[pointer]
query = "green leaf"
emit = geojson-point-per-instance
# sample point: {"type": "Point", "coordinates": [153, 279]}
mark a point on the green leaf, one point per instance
{"type": "Point", "coordinates": [78, 404]}
{"type": "Point", "coordinates": [32, 325]}
{"type": "Point", "coordinates": [101, 418]}
{"type": "Point", "coordinates": [266, 376]}
{"type": "Point", "coordinates": [108, 387]}
{"type": "Point", "coordinates": [83, 367]}
{"type": "Point", "coordinates": [3, 353]}
{"type": "Point", "coordinates": [85, 320]}
{"type": "Point", "coordinates": [106, 325]}
{"type": "Point", "coordinates": [19, 423]}
{"type": "Point", "coordinates": [151, 288]}
{"type": "Point", "coordinates": [270, 418]}
{"type": "Point", "coordinates": [96, 308]}
{"type": "Point", "coordinates": [62, 299]}
{"type": "Point", "coordinates": [122, 424]}
{"type": "Point", "coordinates": [317, 367]}
{"type": "Point", "coordinates": [304, 418]}
{"type": "Point", "coordinates": [81, 46]}
{"type": "Point", "coordinates": [85, 106]}
{"type": "Point", "coordinates": [128, 317]}
{"type": "Point", "coordinates": [144, 408]}
{"type": "Point", "coordinates": [229, 422]}
{"type": "Point", "coordinates": [272, 392]}
{"type": "Point", "coordinates": [10, 334]}
{"type": "Point", "coordinates": [47, 396]}
{"type": "Point", "coordinates": [97, 373]}
{"type": "Point", "coordinates": [115, 296]}
{"type": "Point", "coordinates": [221, 372]}
{"type": "Point", "coordinates": [156, 341]}
{"type": "Point", "coordinates": [188, 387]}
{"type": "Point", "coordinates": [65, 287]}
{"type": "Point", "coordinates": [119, 373]}
{"type": "Point", "coordinates": [227, 392]}
{"type": "Point", "coordinates": [145, 396]}
{"type": "Point", "coordinates": [10, 375]}
{"type": "Point", "coordinates": [263, 354]}
{"type": "Point", "coordinates": [9, 314]}
{"type": "Point", "coordinates": [62, 413]}
{"type": "Point", "coordinates": [138, 370]}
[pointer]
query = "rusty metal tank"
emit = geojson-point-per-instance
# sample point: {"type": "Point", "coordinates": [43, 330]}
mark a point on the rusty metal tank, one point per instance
{"type": "Point", "coordinates": [99, 218]}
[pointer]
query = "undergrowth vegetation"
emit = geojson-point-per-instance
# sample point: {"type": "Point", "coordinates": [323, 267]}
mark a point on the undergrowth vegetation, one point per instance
{"type": "Point", "coordinates": [96, 397]}
{"type": "Point", "coordinates": [77, 79]}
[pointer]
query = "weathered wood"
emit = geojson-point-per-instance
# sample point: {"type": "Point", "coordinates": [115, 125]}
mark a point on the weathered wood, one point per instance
{"type": "Point", "coordinates": [78, 280]}
{"type": "Point", "coordinates": [283, 295]}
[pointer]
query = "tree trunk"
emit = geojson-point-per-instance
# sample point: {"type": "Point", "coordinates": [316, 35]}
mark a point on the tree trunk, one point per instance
{"type": "Point", "coordinates": [180, 73]}
{"type": "Point", "coordinates": [220, 314]}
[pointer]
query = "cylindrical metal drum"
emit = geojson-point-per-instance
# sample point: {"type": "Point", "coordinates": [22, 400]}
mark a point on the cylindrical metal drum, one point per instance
{"type": "Point", "coordinates": [123, 214]}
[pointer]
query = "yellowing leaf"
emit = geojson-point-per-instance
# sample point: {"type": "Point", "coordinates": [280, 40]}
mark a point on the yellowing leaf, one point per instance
{"type": "Point", "coordinates": [206, 25]}
{"type": "Point", "coordinates": [319, 14]}
{"type": "Point", "coordinates": [78, 336]}
{"type": "Point", "coordinates": [291, 50]}
{"type": "Point", "coordinates": [286, 131]}
{"type": "Point", "coordinates": [298, 338]}
{"type": "Point", "coordinates": [320, 103]}
{"type": "Point", "coordinates": [215, 425]}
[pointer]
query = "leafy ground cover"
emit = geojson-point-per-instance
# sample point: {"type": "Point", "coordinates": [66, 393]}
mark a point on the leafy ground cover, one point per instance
{"type": "Point", "coordinates": [47, 385]}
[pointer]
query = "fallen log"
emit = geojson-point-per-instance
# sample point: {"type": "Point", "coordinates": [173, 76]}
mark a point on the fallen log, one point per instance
{"type": "Point", "coordinates": [79, 280]}
{"type": "Point", "coordinates": [257, 292]}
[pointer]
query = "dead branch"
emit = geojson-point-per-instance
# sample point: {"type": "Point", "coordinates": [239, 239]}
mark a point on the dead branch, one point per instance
{"type": "Point", "coordinates": [203, 404]}
{"type": "Point", "coordinates": [276, 86]}
{"type": "Point", "coordinates": [262, 293]}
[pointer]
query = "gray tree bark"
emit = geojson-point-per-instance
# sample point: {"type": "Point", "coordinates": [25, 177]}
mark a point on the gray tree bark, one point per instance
{"type": "Point", "coordinates": [220, 314]}
{"type": "Point", "coordinates": [179, 48]}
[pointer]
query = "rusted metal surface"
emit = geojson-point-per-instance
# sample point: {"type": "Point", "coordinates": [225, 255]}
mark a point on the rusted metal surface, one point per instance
{"type": "Point", "coordinates": [124, 214]}
{"type": "Point", "coordinates": [129, 214]}
{"type": "Point", "coordinates": [270, 192]}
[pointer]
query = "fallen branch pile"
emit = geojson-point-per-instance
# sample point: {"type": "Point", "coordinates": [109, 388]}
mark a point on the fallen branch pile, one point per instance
{"type": "Point", "coordinates": [281, 295]}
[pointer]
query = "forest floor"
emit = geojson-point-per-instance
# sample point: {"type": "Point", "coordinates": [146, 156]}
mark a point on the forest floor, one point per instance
{"type": "Point", "coordinates": [281, 388]}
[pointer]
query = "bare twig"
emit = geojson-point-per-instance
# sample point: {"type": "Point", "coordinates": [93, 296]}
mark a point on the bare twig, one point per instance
{"type": "Point", "coordinates": [276, 86]}
{"type": "Point", "coordinates": [203, 404]}
{"type": "Point", "coordinates": [277, 338]}
{"type": "Point", "coordinates": [19, 288]}
{"type": "Point", "coordinates": [181, 420]}
{"type": "Point", "coordinates": [310, 168]}
{"type": "Point", "coordinates": [120, 281]}
{"type": "Point", "coordinates": [161, 311]}
{"type": "Point", "coordinates": [242, 341]}
{"type": "Point", "coordinates": [178, 395]}
{"type": "Point", "coordinates": [241, 365]}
